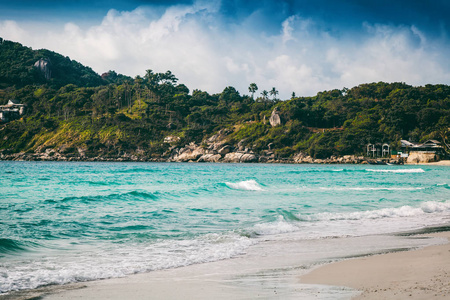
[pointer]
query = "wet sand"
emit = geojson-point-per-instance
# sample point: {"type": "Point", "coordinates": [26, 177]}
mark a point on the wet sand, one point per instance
{"type": "Point", "coordinates": [416, 274]}
{"type": "Point", "coordinates": [276, 270]}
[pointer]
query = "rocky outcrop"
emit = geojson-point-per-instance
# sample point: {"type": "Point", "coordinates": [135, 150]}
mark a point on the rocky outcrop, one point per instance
{"type": "Point", "coordinates": [233, 157]}
{"type": "Point", "coordinates": [225, 150]}
{"type": "Point", "coordinates": [240, 157]}
{"type": "Point", "coordinates": [170, 139]}
{"type": "Point", "coordinates": [210, 158]}
{"type": "Point", "coordinates": [302, 158]}
{"type": "Point", "coordinates": [248, 158]}
{"type": "Point", "coordinates": [44, 65]}
{"type": "Point", "coordinates": [275, 119]}
{"type": "Point", "coordinates": [190, 152]}
{"type": "Point", "coordinates": [421, 157]}
{"type": "Point", "coordinates": [218, 148]}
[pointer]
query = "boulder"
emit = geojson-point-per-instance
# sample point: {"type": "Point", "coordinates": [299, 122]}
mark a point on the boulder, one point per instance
{"type": "Point", "coordinates": [81, 151]}
{"type": "Point", "coordinates": [188, 154]}
{"type": "Point", "coordinates": [45, 67]}
{"type": "Point", "coordinates": [420, 158]}
{"type": "Point", "coordinates": [302, 158]}
{"type": "Point", "coordinates": [210, 158]}
{"type": "Point", "coordinates": [248, 158]}
{"type": "Point", "coordinates": [263, 159]}
{"type": "Point", "coordinates": [233, 157]}
{"type": "Point", "coordinates": [275, 119]}
{"type": "Point", "coordinates": [225, 150]}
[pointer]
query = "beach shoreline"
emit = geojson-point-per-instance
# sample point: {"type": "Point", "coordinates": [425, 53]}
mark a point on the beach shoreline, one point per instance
{"type": "Point", "coordinates": [279, 276]}
{"type": "Point", "coordinates": [199, 231]}
{"type": "Point", "coordinates": [437, 163]}
{"type": "Point", "coordinates": [417, 274]}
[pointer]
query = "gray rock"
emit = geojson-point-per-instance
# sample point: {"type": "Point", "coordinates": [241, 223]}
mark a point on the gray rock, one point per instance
{"type": "Point", "coordinates": [247, 158]}
{"type": "Point", "coordinates": [45, 67]}
{"type": "Point", "coordinates": [210, 158]}
{"type": "Point", "coordinates": [275, 119]}
{"type": "Point", "coordinates": [191, 152]}
{"type": "Point", "coordinates": [225, 150]}
{"type": "Point", "coordinates": [233, 157]}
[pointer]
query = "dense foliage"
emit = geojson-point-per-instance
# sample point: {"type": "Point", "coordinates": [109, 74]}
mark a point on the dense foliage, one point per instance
{"type": "Point", "coordinates": [17, 68]}
{"type": "Point", "coordinates": [112, 114]}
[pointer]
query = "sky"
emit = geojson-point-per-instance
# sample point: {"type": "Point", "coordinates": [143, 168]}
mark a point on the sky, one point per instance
{"type": "Point", "coordinates": [301, 46]}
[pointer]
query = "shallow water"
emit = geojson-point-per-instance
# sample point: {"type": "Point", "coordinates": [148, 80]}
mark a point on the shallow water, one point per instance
{"type": "Point", "coordinates": [68, 222]}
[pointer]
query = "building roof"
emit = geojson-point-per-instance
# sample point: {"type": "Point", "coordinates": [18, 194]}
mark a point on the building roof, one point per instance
{"type": "Point", "coordinates": [406, 143]}
{"type": "Point", "coordinates": [432, 142]}
{"type": "Point", "coordinates": [13, 102]}
{"type": "Point", "coordinates": [428, 144]}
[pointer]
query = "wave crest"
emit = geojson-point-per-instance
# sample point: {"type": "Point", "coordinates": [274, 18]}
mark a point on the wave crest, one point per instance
{"type": "Point", "coordinates": [404, 211]}
{"type": "Point", "coordinates": [247, 185]}
{"type": "Point", "coordinates": [419, 170]}
{"type": "Point", "coordinates": [280, 226]}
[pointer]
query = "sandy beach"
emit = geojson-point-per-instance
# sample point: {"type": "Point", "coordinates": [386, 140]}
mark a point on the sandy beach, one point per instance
{"type": "Point", "coordinates": [278, 274]}
{"type": "Point", "coordinates": [417, 274]}
{"type": "Point", "coordinates": [439, 163]}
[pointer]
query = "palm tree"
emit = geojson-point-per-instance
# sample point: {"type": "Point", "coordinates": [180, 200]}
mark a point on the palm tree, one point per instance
{"type": "Point", "coordinates": [273, 92]}
{"type": "Point", "coordinates": [252, 88]}
{"type": "Point", "coordinates": [138, 86]}
{"type": "Point", "coordinates": [265, 94]}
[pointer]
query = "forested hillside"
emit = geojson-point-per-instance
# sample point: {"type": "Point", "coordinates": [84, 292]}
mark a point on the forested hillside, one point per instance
{"type": "Point", "coordinates": [78, 112]}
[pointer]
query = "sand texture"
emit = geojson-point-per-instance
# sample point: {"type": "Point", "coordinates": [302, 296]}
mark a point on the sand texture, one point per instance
{"type": "Point", "coordinates": [438, 163]}
{"type": "Point", "coordinates": [417, 274]}
{"type": "Point", "coordinates": [276, 270]}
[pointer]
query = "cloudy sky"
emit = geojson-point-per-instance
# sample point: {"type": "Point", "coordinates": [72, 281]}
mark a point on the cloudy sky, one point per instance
{"type": "Point", "coordinates": [300, 46]}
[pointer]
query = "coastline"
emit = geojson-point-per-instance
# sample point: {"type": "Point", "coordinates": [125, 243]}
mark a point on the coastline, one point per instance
{"type": "Point", "coordinates": [437, 163]}
{"type": "Point", "coordinates": [264, 259]}
{"type": "Point", "coordinates": [416, 274]}
{"type": "Point", "coordinates": [281, 273]}
{"type": "Point", "coordinates": [194, 155]}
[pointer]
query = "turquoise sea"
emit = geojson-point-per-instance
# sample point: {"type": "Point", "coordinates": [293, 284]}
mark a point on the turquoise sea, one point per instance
{"type": "Point", "coordinates": [68, 222]}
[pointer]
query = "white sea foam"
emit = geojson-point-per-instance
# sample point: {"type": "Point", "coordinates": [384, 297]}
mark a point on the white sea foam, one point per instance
{"type": "Point", "coordinates": [404, 211]}
{"type": "Point", "coordinates": [110, 262]}
{"type": "Point", "coordinates": [371, 188]}
{"type": "Point", "coordinates": [419, 170]}
{"type": "Point", "coordinates": [247, 185]}
{"type": "Point", "coordinates": [432, 206]}
{"type": "Point", "coordinates": [280, 226]}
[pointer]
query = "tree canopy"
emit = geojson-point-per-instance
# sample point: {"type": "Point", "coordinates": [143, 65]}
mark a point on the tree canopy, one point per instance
{"type": "Point", "coordinates": [113, 113]}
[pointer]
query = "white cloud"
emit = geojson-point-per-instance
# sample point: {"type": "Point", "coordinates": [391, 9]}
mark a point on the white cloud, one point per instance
{"type": "Point", "coordinates": [10, 29]}
{"type": "Point", "coordinates": [204, 53]}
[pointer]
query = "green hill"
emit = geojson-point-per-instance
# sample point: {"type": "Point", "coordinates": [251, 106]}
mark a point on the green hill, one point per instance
{"type": "Point", "coordinates": [17, 68]}
{"type": "Point", "coordinates": [79, 113]}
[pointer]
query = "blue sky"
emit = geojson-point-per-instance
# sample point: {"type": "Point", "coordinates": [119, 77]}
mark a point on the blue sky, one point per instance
{"type": "Point", "coordinates": [296, 46]}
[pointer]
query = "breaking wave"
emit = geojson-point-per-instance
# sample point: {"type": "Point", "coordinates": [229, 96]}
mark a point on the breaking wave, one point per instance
{"type": "Point", "coordinates": [247, 185]}
{"type": "Point", "coordinates": [419, 170]}
{"type": "Point", "coordinates": [371, 188]}
{"type": "Point", "coordinates": [280, 226]}
{"type": "Point", "coordinates": [404, 211]}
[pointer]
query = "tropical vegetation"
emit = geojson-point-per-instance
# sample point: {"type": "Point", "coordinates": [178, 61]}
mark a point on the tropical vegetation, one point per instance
{"type": "Point", "coordinates": [111, 114]}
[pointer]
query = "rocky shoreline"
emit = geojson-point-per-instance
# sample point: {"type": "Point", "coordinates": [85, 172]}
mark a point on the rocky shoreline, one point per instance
{"type": "Point", "coordinates": [194, 153]}
{"type": "Point", "coordinates": [216, 149]}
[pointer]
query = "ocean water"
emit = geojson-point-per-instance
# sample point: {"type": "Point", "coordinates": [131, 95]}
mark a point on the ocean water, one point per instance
{"type": "Point", "coordinates": [68, 222]}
